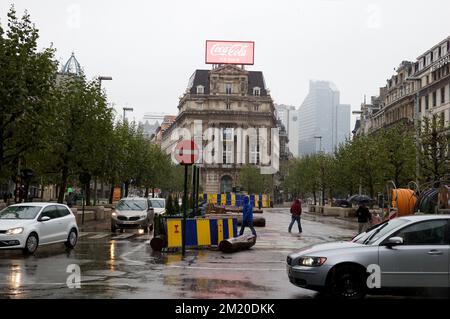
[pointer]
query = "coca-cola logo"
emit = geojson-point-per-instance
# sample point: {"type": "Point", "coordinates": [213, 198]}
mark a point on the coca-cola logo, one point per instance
{"type": "Point", "coordinates": [229, 49]}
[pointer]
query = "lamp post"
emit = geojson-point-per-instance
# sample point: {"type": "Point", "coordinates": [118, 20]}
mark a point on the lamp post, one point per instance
{"type": "Point", "coordinates": [125, 109]}
{"type": "Point", "coordinates": [100, 79]}
{"type": "Point", "coordinates": [416, 124]}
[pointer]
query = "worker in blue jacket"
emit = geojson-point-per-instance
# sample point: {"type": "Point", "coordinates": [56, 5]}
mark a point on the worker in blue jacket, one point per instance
{"type": "Point", "coordinates": [247, 218]}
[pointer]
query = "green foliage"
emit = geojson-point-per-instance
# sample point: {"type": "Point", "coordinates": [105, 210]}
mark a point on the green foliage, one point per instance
{"type": "Point", "coordinates": [26, 80]}
{"type": "Point", "coordinates": [435, 141]}
{"type": "Point", "coordinates": [254, 182]}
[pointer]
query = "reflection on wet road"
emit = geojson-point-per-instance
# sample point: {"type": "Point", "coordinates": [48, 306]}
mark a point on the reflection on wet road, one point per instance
{"type": "Point", "coordinates": [124, 266]}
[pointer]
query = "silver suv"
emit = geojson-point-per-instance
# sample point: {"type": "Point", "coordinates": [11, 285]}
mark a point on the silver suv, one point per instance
{"type": "Point", "coordinates": [133, 212]}
{"type": "Point", "coordinates": [406, 252]}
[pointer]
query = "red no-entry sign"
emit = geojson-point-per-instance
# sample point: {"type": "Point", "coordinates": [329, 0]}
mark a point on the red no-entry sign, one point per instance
{"type": "Point", "coordinates": [186, 152]}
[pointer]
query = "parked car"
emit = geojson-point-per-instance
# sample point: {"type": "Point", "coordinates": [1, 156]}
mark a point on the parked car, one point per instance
{"type": "Point", "coordinates": [27, 226]}
{"type": "Point", "coordinates": [158, 205]}
{"type": "Point", "coordinates": [411, 251]}
{"type": "Point", "coordinates": [133, 212]}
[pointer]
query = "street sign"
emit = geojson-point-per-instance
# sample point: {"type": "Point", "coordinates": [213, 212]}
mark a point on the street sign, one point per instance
{"type": "Point", "coordinates": [186, 152]}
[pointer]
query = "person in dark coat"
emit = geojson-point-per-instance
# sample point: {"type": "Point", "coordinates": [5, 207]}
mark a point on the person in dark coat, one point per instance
{"type": "Point", "coordinates": [296, 211]}
{"type": "Point", "coordinates": [247, 218]}
{"type": "Point", "coordinates": [364, 216]}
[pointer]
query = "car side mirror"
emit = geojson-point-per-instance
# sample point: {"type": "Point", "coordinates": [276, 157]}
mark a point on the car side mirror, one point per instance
{"type": "Point", "coordinates": [394, 241]}
{"type": "Point", "coordinates": [44, 219]}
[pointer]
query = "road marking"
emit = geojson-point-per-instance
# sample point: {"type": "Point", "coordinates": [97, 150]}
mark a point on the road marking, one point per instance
{"type": "Point", "coordinates": [83, 234]}
{"type": "Point", "coordinates": [237, 269]}
{"type": "Point", "coordinates": [137, 262]}
{"type": "Point", "coordinates": [123, 236]}
{"type": "Point", "coordinates": [99, 236]}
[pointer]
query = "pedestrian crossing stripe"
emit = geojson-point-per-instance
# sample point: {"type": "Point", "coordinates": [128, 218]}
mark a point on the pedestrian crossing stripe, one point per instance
{"type": "Point", "coordinates": [99, 236]}
{"type": "Point", "coordinates": [123, 236]}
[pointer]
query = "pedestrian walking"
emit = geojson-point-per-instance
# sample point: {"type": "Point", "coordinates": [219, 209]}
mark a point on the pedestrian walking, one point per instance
{"type": "Point", "coordinates": [296, 212]}
{"type": "Point", "coordinates": [247, 218]}
{"type": "Point", "coordinates": [364, 216]}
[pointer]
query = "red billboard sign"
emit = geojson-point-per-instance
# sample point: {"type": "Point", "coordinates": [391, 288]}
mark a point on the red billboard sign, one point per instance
{"type": "Point", "coordinates": [229, 52]}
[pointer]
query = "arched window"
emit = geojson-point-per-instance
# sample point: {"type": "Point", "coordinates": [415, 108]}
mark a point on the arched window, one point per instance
{"type": "Point", "coordinates": [226, 184]}
{"type": "Point", "coordinates": [256, 91]}
{"type": "Point", "coordinates": [200, 89]}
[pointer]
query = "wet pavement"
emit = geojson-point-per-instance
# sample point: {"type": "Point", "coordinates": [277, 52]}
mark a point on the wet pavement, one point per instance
{"type": "Point", "coordinates": [124, 265]}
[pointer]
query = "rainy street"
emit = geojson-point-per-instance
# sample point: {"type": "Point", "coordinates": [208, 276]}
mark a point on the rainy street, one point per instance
{"type": "Point", "coordinates": [124, 265]}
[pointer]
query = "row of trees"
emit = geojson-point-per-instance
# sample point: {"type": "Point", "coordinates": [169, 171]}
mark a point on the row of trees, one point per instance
{"type": "Point", "coordinates": [60, 125]}
{"type": "Point", "coordinates": [368, 162]}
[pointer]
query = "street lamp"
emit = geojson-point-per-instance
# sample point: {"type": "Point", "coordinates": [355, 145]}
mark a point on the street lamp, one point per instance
{"type": "Point", "coordinates": [103, 78]}
{"type": "Point", "coordinates": [416, 125]}
{"type": "Point", "coordinates": [320, 143]}
{"type": "Point", "coordinates": [125, 109]}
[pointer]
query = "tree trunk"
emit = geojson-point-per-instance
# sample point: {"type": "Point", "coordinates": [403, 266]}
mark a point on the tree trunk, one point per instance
{"type": "Point", "coordinates": [88, 193]}
{"type": "Point", "coordinates": [63, 185]}
{"type": "Point", "coordinates": [146, 192]}
{"type": "Point", "coordinates": [315, 198]}
{"type": "Point", "coordinates": [95, 190]}
{"type": "Point", "coordinates": [127, 185]}
{"type": "Point", "coordinates": [111, 193]}
{"type": "Point", "coordinates": [153, 192]}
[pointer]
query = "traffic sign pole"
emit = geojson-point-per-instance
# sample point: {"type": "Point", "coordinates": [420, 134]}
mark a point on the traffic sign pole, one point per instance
{"type": "Point", "coordinates": [183, 227]}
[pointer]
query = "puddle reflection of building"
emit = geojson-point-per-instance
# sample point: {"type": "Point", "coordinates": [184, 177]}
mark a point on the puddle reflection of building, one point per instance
{"type": "Point", "coordinates": [15, 279]}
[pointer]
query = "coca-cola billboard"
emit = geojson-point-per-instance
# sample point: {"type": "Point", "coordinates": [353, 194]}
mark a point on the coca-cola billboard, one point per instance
{"type": "Point", "coordinates": [230, 52]}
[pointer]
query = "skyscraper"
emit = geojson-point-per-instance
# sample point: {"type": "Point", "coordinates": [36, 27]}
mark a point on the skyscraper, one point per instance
{"type": "Point", "coordinates": [324, 123]}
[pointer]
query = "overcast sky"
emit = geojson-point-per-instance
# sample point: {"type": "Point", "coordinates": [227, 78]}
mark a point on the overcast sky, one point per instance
{"type": "Point", "coordinates": [151, 48]}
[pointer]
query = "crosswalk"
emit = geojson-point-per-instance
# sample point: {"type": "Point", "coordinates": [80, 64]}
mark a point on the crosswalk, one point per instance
{"type": "Point", "coordinates": [112, 236]}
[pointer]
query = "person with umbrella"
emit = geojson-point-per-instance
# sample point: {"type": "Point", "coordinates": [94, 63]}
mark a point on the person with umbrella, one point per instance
{"type": "Point", "coordinates": [364, 216]}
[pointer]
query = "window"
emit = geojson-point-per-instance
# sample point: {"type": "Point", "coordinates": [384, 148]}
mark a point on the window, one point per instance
{"type": "Point", "coordinates": [434, 98]}
{"type": "Point", "coordinates": [444, 49]}
{"type": "Point", "coordinates": [228, 105]}
{"type": "Point", "coordinates": [62, 211]}
{"type": "Point", "coordinates": [420, 104]}
{"type": "Point", "coordinates": [256, 108]}
{"type": "Point", "coordinates": [427, 105]}
{"type": "Point", "coordinates": [227, 145]}
{"type": "Point", "coordinates": [227, 88]}
{"type": "Point", "coordinates": [50, 211]}
{"type": "Point", "coordinates": [431, 232]}
{"type": "Point", "coordinates": [256, 91]}
{"type": "Point", "coordinates": [254, 153]}
{"type": "Point", "coordinates": [442, 95]}
{"type": "Point", "coordinates": [200, 89]}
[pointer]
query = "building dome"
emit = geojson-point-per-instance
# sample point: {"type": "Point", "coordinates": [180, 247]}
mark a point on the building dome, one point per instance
{"type": "Point", "coordinates": [72, 66]}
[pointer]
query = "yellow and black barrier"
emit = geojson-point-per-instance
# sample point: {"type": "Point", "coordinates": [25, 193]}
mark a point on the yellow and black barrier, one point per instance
{"type": "Point", "coordinates": [200, 232]}
{"type": "Point", "coordinates": [230, 199]}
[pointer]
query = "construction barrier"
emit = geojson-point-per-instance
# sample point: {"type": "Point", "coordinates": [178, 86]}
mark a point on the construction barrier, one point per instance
{"type": "Point", "coordinates": [231, 199]}
{"type": "Point", "coordinates": [200, 232]}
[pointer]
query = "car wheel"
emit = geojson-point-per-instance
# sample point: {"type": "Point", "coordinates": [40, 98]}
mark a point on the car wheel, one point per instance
{"type": "Point", "coordinates": [347, 282]}
{"type": "Point", "coordinates": [31, 244]}
{"type": "Point", "coordinates": [72, 239]}
{"type": "Point", "coordinates": [113, 228]}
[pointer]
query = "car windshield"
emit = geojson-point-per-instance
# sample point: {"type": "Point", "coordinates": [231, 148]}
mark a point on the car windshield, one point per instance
{"type": "Point", "coordinates": [158, 203]}
{"type": "Point", "coordinates": [131, 205]}
{"type": "Point", "coordinates": [375, 233]}
{"type": "Point", "coordinates": [20, 212]}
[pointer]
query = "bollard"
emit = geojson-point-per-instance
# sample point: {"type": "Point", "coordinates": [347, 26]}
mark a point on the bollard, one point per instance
{"type": "Point", "coordinates": [235, 244]}
{"type": "Point", "coordinates": [159, 242]}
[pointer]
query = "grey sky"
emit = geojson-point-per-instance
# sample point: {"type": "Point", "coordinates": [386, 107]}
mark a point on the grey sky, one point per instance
{"type": "Point", "coordinates": [151, 48]}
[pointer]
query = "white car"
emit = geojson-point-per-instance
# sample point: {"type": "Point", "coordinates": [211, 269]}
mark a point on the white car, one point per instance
{"type": "Point", "coordinates": [159, 205]}
{"type": "Point", "coordinates": [26, 226]}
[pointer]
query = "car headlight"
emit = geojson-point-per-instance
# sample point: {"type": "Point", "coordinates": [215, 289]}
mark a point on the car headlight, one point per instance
{"type": "Point", "coordinates": [14, 231]}
{"type": "Point", "coordinates": [311, 261]}
{"type": "Point", "coordinates": [143, 216]}
{"type": "Point", "coordinates": [114, 214]}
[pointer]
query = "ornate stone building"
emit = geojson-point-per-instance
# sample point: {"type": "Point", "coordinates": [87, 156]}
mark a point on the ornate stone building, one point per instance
{"type": "Point", "coordinates": [226, 111]}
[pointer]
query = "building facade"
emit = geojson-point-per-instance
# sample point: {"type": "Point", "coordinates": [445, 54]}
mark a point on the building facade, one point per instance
{"type": "Point", "coordinates": [418, 89]}
{"type": "Point", "coordinates": [324, 123]}
{"type": "Point", "coordinates": [288, 115]}
{"type": "Point", "coordinates": [225, 110]}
